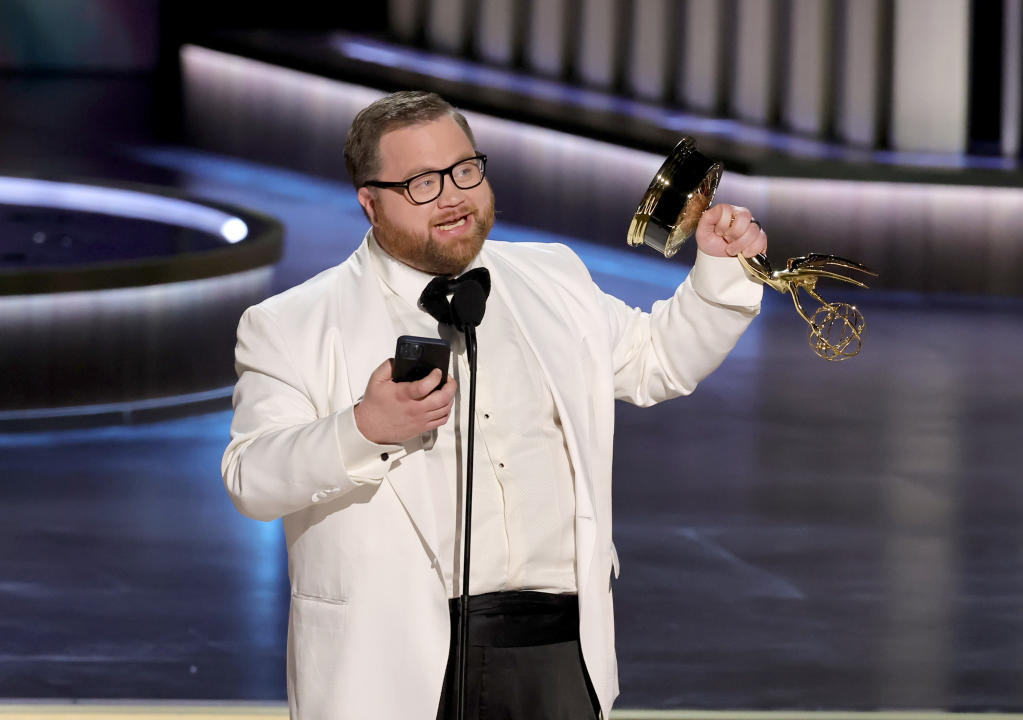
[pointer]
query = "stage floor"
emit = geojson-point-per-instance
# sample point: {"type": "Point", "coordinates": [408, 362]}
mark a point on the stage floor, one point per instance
{"type": "Point", "coordinates": [278, 711]}
{"type": "Point", "coordinates": [795, 535]}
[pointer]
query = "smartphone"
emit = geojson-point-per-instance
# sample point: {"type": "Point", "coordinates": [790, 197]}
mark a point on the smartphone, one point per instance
{"type": "Point", "coordinates": [416, 357]}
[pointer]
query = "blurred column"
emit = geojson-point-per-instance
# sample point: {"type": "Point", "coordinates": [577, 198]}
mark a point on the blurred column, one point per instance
{"type": "Point", "coordinates": [808, 82]}
{"type": "Point", "coordinates": [1012, 52]}
{"type": "Point", "coordinates": [929, 89]}
{"type": "Point", "coordinates": [446, 25]}
{"type": "Point", "coordinates": [752, 37]}
{"type": "Point", "coordinates": [597, 43]}
{"type": "Point", "coordinates": [701, 80]}
{"type": "Point", "coordinates": [649, 72]}
{"type": "Point", "coordinates": [405, 18]}
{"type": "Point", "coordinates": [495, 38]}
{"type": "Point", "coordinates": [545, 51]}
{"type": "Point", "coordinates": [863, 73]}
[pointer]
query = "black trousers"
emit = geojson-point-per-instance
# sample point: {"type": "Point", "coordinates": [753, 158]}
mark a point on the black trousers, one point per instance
{"type": "Point", "coordinates": [524, 660]}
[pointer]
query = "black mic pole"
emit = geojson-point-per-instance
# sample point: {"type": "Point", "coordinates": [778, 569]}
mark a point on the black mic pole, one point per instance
{"type": "Point", "coordinates": [463, 620]}
{"type": "Point", "coordinates": [468, 305]}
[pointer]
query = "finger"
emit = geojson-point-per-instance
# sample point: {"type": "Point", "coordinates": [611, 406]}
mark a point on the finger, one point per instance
{"type": "Point", "coordinates": [442, 398]}
{"type": "Point", "coordinates": [759, 245]}
{"type": "Point", "coordinates": [440, 416]}
{"type": "Point", "coordinates": [383, 372]}
{"type": "Point", "coordinates": [753, 242]}
{"type": "Point", "coordinates": [421, 388]}
{"type": "Point", "coordinates": [434, 424]}
{"type": "Point", "coordinates": [724, 222]}
{"type": "Point", "coordinates": [739, 224]}
{"type": "Point", "coordinates": [711, 216]}
{"type": "Point", "coordinates": [437, 401]}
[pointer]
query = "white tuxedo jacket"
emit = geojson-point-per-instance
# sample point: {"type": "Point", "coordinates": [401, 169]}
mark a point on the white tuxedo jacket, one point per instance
{"type": "Point", "coordinates": [369, 629]}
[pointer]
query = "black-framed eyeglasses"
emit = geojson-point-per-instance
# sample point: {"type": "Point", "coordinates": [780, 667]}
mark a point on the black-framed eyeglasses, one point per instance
{"type": "Point", "coordinates": [427, 186]}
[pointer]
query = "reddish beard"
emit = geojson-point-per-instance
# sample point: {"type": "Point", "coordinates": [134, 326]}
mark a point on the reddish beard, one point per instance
{"type": "Point", "coordinates": [421, 251]}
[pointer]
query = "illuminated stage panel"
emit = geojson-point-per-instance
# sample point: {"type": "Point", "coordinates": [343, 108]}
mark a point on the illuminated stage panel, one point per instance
{"type": "Point", "coordinates": [932, 236]}
{"type": "Point", "coordinates": [121, 295]}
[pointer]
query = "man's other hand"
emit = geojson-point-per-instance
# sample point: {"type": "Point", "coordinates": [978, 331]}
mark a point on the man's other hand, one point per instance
{"type": "Point", "coordinates": [392, 412]}
{"type": "Point", "coordinates": [727, 230]}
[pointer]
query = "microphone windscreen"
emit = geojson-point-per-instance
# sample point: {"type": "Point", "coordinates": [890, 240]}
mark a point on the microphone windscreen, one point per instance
{"type": "Point", "coordinates": [468, 304]}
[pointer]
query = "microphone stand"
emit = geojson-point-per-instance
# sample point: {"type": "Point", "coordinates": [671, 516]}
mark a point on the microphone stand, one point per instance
{"type": "Point", "coordinates": [463, 608]}
{"type": "Point", "coordinates": [464, 311]}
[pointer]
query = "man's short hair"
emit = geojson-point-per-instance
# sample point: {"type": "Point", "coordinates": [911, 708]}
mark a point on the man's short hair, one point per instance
{"type": "Point", "coordinates": [394, 111]}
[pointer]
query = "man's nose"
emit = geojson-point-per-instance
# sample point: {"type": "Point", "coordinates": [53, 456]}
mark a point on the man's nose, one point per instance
{"type": "Point", "coordinates": [450, 194]}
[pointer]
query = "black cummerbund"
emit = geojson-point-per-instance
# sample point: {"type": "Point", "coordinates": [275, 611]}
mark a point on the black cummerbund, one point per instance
{"type": "Point", "coordinates": [519, 618]}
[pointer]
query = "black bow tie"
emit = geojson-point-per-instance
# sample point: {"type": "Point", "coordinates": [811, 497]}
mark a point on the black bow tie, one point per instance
{"type": "Point", "coordinates": [434, 299]}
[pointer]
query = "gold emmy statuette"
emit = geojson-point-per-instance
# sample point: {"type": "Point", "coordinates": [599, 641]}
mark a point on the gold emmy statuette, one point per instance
{"type": "Point", "coordinates": [669, 212]}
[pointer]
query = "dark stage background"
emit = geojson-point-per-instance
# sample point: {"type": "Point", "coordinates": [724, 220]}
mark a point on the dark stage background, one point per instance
{"type": "Point", "coordinates": [795, 535]}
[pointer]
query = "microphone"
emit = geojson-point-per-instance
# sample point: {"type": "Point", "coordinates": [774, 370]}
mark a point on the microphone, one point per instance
{"type": "Point", "coordinates": [468, 304]}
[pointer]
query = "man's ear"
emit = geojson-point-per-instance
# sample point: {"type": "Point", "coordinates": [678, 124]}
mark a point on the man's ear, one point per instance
{"type": "Point", "coordinates": [368, 202]}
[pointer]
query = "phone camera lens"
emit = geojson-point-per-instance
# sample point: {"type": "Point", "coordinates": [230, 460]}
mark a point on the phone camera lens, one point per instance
{"type": "Point", "coordinates": [412, 351]}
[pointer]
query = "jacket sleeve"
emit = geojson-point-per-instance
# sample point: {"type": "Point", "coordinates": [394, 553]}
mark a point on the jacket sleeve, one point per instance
{"type": "Point", "coordinates": [668, 351]}
{"type": "Point", "coordinates": [283, 455]}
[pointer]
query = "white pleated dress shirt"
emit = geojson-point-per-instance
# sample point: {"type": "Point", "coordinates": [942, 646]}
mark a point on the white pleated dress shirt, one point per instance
{"type": "Point", "coordinates": [523, 521]}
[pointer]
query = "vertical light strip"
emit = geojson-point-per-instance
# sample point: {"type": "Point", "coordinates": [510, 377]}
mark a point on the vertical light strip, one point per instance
{"type": "Point", "coordinates": [649, 54]}
{"type": "Point", "coordinates": [754, 44]}
{"type": "Point", "coordinates": [859, 72]}
{"type": "Point", "coordinates": [1012, 48]}
{"type": "Point", "coordinates": [808, 66]}
{"type": "Point", "coordinates": [495, 36]}
{"type": "Point", "coordinates": [597, 51]}
{"type": "Point", "coordinates": [930, 92]}
{"type": "Point", "coordinates": [700, 81]}
{"type": "Point", "coordinates": [405, 19]}
{"type": "Point", "coordinates": [445, 25]}
{"type": "Point", "coordinates": [545, 41]}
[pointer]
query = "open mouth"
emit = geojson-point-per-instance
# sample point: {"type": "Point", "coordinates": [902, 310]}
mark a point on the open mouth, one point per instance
{"type": "Point", "coordinates": [454, 224]}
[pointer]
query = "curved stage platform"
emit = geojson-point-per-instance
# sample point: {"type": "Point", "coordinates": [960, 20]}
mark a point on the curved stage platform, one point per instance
{"type": "Point", "coordinates": [797, 537]}
{"type": "Point", "coordinates": [121, 298]}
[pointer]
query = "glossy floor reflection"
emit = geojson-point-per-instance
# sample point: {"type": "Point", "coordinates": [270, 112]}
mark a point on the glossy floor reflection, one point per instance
{"type": "Point", "coordinates": [797, 534]}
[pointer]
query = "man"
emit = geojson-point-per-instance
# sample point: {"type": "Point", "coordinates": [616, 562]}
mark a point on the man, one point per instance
{"type": "Point", "coordinates": [367, 473]}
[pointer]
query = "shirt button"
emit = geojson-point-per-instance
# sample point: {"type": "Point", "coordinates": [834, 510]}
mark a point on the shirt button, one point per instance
{"type": "Point", "coordinates": [384, 456]}
{"type": "Point", "coordinates": [486, 416]}
{"type": "Point", "coordinates": [500, 465]}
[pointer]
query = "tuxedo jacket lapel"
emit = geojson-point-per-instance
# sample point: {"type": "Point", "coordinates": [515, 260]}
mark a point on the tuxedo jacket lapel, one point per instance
{"type": "Point", "coordinates": [370, 339]}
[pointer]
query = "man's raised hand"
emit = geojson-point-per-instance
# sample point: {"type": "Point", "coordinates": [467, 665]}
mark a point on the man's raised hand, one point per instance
{"type": "Point", "coordinates": [392, 412]}
{"type": "Point", "coordinates": [727, 230]}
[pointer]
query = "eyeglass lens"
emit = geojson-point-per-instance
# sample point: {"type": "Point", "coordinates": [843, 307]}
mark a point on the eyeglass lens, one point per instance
{"type": "Point", "coordinates": [427, 186]}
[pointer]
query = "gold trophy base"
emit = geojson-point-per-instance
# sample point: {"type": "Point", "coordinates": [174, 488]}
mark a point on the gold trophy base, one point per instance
{"type": "Point", "coordinates": [682, 189]}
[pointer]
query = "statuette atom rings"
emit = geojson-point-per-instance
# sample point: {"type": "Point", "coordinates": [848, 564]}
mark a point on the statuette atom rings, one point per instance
{"type": "Point", "coordinates": [669, 211]}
